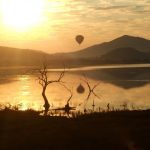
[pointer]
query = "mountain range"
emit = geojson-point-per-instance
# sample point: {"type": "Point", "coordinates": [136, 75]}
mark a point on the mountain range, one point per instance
{"type": "Point", "coordinates": [123, 50]}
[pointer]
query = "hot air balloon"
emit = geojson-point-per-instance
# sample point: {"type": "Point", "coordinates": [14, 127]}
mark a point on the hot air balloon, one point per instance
{"type": "Point", "coordinates": [80, 89]}
{"type": "Point", "coordinates": [79, 38]}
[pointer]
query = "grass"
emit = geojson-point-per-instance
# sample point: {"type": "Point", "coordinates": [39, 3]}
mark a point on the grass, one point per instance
{"type": "Point", "coordinates": [120, 130]}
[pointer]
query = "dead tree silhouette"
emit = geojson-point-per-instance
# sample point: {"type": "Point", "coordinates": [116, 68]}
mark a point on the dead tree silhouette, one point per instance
{"type": "Point", "coordinates": [93, 105]}
{"type": "Point", "coordinates": [108, 107]}
{"type": "Point", "coordinates": [44, 82]}
{"type": "Point", "coordinates": [90, 89]}
{"type": "Point", "coordinates": [67, 107]}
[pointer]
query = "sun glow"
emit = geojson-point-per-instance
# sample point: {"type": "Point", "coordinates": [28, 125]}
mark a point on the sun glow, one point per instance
{"type": "Point", "coordinates": [22, 14]}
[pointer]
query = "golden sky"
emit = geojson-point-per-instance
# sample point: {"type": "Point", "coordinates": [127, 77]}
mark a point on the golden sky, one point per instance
{"type": "Point", "coordinates": [51, 25]}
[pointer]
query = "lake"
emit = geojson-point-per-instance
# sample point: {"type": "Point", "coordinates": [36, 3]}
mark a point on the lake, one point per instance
{"type": "Point", "coordinates": [119, 85]}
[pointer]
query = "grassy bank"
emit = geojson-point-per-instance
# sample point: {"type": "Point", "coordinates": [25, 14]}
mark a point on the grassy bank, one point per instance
{"type": "Point", "coordinates": [122, 130]}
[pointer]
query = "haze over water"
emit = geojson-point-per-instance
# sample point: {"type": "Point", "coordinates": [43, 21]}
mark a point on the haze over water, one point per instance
{"type": "Point", "coordinates": [118, 85]}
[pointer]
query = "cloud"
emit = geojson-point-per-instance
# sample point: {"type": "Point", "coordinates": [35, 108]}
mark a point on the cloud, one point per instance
{"type": "Point", "coordinates": [111, 14]}
{"type": "Point", "coordinates": [97, 19]}
{"type": "Point", "coordinates": [110, 7]}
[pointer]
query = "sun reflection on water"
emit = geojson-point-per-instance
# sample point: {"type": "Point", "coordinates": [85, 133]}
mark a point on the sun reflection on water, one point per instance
{"type": "Point", "coordinates": [25, 92]}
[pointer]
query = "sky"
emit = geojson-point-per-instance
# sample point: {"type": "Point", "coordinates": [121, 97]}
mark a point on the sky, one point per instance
{"type": "Point", "coordinates": [52, 25]}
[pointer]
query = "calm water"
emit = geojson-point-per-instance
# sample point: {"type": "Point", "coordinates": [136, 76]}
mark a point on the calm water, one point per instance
{"type": "Point", "coordinates": [118, 85]}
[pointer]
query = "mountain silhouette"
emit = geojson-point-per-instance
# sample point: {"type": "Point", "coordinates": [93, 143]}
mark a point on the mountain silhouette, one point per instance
{"type": "Point", "coordinates": [125, 49]}
{"type": "Point", "coordinates": [98, 50]}
{"type": "Point", "coordinates": [125, 55]}
{"type": "Point", "coordinates": [20, 57]}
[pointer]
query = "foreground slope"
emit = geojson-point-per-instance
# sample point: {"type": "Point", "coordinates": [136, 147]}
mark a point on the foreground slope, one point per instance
{"type": "Point", "coordinates": [123, 130]}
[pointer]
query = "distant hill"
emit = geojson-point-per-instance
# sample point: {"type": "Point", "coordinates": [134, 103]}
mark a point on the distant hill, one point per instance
{"type": "Point", "coordinates": [125, 55]}
{"type": "Point", "coordinates": [20, 57]}
{"type": "Point", "coordinates": [125, 49]}
{"type": "Point", "coordinates": [98, 50]}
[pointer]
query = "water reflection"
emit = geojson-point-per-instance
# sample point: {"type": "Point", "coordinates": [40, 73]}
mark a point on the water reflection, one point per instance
{"type": "Point", "coordinates": [123, 77]}
{"type": "Point", "coordinates": [117, 86]}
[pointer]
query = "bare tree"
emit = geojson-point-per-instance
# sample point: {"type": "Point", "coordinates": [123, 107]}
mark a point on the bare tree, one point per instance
{"type": "Point", "coordinates": [91, 89]}
{"type": "Point", "coordinates": [70, 91]}
{"type": "Point", "coordinates": [67, 108]}
{"type": "Point", "coordinates": [93, 105]}
{"type": "Point", "coordinates": [44, 82]}
{"type": "Point", "coordinates": [90, 92]}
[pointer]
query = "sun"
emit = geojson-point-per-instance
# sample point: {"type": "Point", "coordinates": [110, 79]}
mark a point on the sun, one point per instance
{"type": "Point", "coordinates": [22, 14]}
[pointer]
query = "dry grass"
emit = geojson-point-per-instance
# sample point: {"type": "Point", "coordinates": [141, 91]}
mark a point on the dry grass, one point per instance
{"type": "Point", "coordinates": [120, 130]}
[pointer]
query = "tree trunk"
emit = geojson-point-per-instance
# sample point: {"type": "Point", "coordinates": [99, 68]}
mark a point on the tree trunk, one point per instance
{"type": "Point", "coordinates": [46, 104]}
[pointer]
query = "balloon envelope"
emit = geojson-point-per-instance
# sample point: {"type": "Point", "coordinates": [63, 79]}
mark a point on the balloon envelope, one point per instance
{"type": "Point", "coordinates": [80, 89]}
{"type": "Point", "coordinates": [79, 38]}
